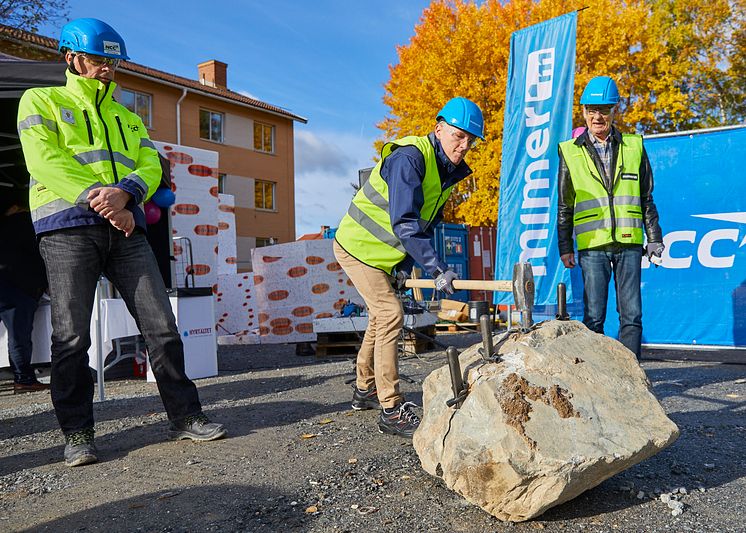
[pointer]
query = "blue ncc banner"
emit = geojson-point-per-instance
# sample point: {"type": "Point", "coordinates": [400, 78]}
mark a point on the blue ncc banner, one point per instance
{"type": "Point", "coordinates": [698, 295]}
{"type": "Point", "coordinates": [538, 116]}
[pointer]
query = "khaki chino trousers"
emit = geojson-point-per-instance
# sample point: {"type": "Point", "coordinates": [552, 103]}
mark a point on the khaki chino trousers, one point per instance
{"type": "Point", "coordinates": [378, 358]}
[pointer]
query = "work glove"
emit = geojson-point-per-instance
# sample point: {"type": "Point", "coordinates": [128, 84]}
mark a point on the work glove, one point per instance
{"type": "Point", "coordinates": [654, 251]}
{"type": "Point", "coordinates": [444, 281]}
{"type": "Point", "coordinates": [400, 281]}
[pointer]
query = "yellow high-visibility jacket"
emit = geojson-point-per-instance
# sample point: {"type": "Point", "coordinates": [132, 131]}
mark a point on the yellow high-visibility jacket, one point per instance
{"type": "Point", "coordinates": [365, 231]}
{"type": "Point", "coordinates": [76, 138]}
{"type": "Point", "coordinates": [601, 217]}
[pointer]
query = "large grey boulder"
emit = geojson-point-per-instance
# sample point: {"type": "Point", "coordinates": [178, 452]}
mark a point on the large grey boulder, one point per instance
{"type": "Point", "coordinates": [563, 410]}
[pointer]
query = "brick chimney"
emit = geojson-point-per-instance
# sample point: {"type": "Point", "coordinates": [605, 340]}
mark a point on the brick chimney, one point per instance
{"type": "Point", "coordinates": [213, 73]}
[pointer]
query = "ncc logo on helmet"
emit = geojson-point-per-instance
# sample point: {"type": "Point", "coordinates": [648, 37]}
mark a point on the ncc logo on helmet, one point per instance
{"type": "Point", "coordinates": [112, 48]}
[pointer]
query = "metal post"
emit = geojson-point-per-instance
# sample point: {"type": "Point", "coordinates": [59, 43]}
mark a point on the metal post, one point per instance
{"type": "Point", "coordinates": [457, 381]}
{"type": "Point", "coordinates": [562, 302]}
{"type": "Point", "coordinates": [486, 329]}
{"type": "Point", "coordinates": [100, 357]}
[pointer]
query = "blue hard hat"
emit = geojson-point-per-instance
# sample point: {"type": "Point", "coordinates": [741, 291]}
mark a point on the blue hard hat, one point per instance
{"type": "Point", "coordinates": [92, 36]}
{"type": "Point", "coordinates": [464, 115]}
{"type": "Point", "coordinates": [601, 90]}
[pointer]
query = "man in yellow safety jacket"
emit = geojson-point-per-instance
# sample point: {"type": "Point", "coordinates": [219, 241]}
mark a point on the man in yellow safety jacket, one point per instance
{"type": "Point", "coordinates": [606, 199]}
{"type": "Point", "coordinates": [388, 227]}
{"type": "Point", "coordinates": [92, 166]}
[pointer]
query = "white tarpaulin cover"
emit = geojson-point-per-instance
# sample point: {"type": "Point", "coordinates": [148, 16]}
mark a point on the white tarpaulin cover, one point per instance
{"type": "Point", "coordinates": [194, 179]}
{"type": "Point", "coordinates": [295, 283]}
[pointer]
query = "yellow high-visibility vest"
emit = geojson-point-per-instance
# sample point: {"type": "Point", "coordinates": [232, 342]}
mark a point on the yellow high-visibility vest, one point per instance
{"type": "Point", "coordinates": [365, 231]}
{"type": "Point", "coordinates": [599, 217]}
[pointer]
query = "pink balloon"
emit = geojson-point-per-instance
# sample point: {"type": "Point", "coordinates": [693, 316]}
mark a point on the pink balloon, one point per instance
{"type": "Point", "coordinates": [152, 213]}
{"type": "Point", "coordinates": [577, 132]}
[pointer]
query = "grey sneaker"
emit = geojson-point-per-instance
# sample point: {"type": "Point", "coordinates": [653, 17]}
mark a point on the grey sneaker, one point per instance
{"type": "Point", "coordinates": [197, 428]}
{"type": "Point", "coordinates": [399, 420]}
{"type": "Point", "coordinates": [79, 448]}
{"type": "Point", "coordinates": [364, 399]}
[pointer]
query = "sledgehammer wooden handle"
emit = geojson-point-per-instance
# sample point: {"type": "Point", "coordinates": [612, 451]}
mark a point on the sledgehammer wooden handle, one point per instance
{"type": "Point", "coordinates": [467, 284]}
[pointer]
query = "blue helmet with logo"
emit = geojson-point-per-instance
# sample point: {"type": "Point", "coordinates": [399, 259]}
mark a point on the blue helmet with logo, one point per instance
{"type": "Point", "coordinates": [463, 114]}
{"type": "Point", "coordinates": [92, 36]}
{"type": "Point", "coordinates": [601, 90]}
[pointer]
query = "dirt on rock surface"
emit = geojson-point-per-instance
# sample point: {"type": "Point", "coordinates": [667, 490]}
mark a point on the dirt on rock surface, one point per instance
{"type": "Point", "coordinates": [299, 459]}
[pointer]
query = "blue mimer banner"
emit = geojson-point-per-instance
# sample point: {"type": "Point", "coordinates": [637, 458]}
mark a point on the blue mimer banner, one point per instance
{"type": "Point", "coordinates": [698, 295]}
{"type": "Point", "coordinates": [538, 116]}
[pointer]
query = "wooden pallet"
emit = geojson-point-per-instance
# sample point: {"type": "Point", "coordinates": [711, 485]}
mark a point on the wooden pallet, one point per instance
{"type": "Point", "coordinates": [413, 344]}
{"type": "Point", "coordinates": [344, 344]}
{"type": "Point", "coordinates": [458, 327]}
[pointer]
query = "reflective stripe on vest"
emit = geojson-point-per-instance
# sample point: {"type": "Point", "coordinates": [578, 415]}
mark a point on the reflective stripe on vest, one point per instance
{"type": "Point", "coordinates": [54, 204]}
{"type": "Point", "coordinates": [365, 231]}
{"type": "Point", "coordinates": [600, 218]}
{"type": "Point", "coordinates": [36, 120]}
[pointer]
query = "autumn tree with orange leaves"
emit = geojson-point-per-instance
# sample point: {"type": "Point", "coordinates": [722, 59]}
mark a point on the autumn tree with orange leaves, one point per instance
{"type": "Point", "coordinates": [679, 64]}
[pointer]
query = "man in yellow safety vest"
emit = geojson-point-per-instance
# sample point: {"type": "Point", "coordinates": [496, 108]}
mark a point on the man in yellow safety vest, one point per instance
{"type": "Point", "coordinates": [389, 226]}
{"type": "Point", "coordinates": [606, 199]}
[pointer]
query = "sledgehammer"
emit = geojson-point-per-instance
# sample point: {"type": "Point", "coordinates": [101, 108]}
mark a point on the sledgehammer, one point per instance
{"type": "Point", "coordinates": [522, 287]}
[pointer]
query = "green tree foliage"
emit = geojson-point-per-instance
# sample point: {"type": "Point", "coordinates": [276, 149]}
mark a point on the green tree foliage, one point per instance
{"type": "Point", "coordinates": [30, 14]}
{"type": "Point", "coordinates": [679, 64]}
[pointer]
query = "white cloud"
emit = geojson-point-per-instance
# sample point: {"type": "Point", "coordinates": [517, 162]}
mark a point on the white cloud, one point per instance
{"type": "Point", "coordinates": [247, 94]}
{"type": "Point", "coordinates": [327, 162]}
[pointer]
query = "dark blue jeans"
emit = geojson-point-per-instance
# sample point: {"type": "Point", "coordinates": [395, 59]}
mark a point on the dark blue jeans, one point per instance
{"type": "Point", "coordinates": [75, 258]}
{"type": "Point", "coordinates": [597, 267]}
{"type": "Point", "coordinates": [17, 314]}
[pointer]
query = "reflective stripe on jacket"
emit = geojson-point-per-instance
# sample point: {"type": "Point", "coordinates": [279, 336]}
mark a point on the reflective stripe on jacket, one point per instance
{"type": "Point", "coordinates": [365, 231]}
{"type": "Point", "coordinates": [601, 217]}
{"type": "Point", "coordinates": [76, 138]}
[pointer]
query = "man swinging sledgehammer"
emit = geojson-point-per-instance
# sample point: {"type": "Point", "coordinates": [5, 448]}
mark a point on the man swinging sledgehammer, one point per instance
{"type": "Point", "coordinates": [388, 227]}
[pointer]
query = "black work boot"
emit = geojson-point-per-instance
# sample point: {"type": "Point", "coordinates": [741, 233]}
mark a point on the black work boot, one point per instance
{"type": "Point", "coordinates": [197, 428]}
{"type": "Point", "coordinates": [365, 399]}
{"type": "Point", "coordinates": [400, 420]}
{"type": "Point", "coordinates": [79, 448]}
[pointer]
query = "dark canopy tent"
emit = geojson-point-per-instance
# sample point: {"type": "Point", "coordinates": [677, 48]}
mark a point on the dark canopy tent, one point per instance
{"type": "Point", "coordinates": [15, 77]}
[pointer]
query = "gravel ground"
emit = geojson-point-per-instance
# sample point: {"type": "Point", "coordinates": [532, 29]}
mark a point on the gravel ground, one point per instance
{"type": "Point", "coordinates": [298, 459]}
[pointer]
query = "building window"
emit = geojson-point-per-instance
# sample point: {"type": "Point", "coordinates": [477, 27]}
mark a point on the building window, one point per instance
{"type": "Point", "coordinates": [264, 138]}
{"type": "Point", "coordinates": [221, 182]}
{"type": "Point", "coordinates": [211, 125]}
{"type": "Point", "coordinates": [139, 103]}
{"type": "Point", "coordinates": [264, 194]}
{"type": "Point", "coordinates": [265, 241]}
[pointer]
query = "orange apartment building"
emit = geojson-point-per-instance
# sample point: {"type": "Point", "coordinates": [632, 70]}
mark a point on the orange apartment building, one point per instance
{"type": "Point", "coordinates": [254, 139]}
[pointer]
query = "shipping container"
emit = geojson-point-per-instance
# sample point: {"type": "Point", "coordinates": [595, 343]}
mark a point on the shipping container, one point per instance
{"type": "Point", "coordinates": [481, 258]}
{"type": "Point", "coordinates": [451, 242]}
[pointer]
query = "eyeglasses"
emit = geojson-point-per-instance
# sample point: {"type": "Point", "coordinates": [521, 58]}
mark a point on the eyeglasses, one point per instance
{"type": "Point", "coordinates": [100, 61]}
{"type": "Point", "coordinates": [604, 110]}
{"type": "Point", "coordinates": [461, 136]}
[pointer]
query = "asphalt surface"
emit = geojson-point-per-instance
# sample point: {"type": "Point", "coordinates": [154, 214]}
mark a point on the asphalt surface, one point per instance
{"type": "Point", "coordinates": [298, 459]}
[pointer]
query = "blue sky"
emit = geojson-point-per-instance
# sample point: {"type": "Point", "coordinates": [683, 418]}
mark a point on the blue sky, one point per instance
{"type": "Point", "coordinates": [325, 60]}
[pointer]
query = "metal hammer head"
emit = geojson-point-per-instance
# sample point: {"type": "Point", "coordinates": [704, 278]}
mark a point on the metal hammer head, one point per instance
{"type": "Point", "coordinates": [523, 292]}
